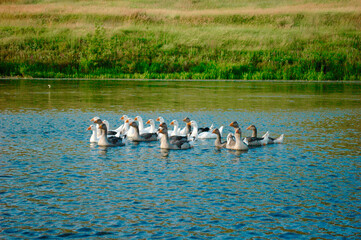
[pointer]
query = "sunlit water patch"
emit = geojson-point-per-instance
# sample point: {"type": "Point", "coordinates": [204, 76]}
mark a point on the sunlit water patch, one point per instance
{"type": "Point", "coordinates": [56, 184]}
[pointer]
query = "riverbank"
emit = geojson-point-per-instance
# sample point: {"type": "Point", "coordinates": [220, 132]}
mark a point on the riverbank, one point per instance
{"type": "Point", "coordinates": [200, 40]}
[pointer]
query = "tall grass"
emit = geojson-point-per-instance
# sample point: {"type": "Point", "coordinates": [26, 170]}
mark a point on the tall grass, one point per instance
{"type": "Point", "coordinates": [141, 44]}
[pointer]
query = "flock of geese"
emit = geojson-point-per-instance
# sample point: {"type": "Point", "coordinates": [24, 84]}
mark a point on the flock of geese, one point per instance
{"type": "Point", "coordinates": [176, 138]}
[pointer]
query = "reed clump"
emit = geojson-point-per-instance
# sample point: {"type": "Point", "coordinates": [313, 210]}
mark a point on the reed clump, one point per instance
{"type": "Point", "coordinates": [134, 43]}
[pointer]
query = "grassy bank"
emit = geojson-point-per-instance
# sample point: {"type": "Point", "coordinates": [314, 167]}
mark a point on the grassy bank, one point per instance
{"type": "Point", "coordinates": [317, 40]}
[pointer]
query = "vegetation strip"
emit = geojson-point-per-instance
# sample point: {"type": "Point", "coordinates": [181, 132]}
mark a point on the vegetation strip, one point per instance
{"type": "Point", "coordinates": [45, 40]}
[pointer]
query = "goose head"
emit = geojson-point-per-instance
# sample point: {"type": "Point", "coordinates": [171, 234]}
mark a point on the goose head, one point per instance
{"type": "Point", "coordinates": [193, 124]}
{"type": "Point", "coordinates": [238, 132]}
{"type": "Point", "coordinates": [133, 124]}
{"type": "Point", "coordinates": [150, 121]}
{"type": "Point", "coordinates": [186, 119]}
{"type": "Point", "coordinates": [174, 123]}
{"type": "Point", "coordinates": [216, 131]}
{"type": "Point", "coordinates": [160, 119]}
{"type": "Point", "coordinates": [103, 126]}
{"type": "Point", "coordinates": [124, 117]}
{"type": "Point", "coordinates": [161, 130]}
{"type": "Point", "coordinates": [138, 118]}
{"type": "Point", "coordinates": [251, 127]}
{"type": "Point", "coordinates": [91, 127]}
{"type": "Point", "coordinates": [234, 124]}
{"type": "Point", "coordinates": [96, 120]}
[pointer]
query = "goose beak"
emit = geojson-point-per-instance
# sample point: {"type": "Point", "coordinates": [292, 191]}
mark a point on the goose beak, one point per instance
{"type": "Point", "coordinates": [100, 127]}
{"type": "Point", "coordinates": [189, 124]}
{"type": "Point", "coordinates": [148, 122]}
{"type": "Point", "coordinates": [122, 118]}
{"type": "Point", "coordinates": [136, 119]}
{"type": "Point", "coordinates": [89, 128]}
{"type": "Point", "coordinates": [231, 124]}
{"type": "Point", "coordinates": [158, 119]}
{"type": "Point", "coordinates": [249, 128]}
{"type": "Point", "coordinates": [160, 130]}
{"type": "Point", "coordinates": [172, 123]}
{"type": "Point", "coordinates": [214, 131]}
{"type": "Point", "coordinates": [127, 121]}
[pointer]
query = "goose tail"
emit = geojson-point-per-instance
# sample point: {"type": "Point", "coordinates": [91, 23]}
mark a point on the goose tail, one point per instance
{"type": "Point", "coordinates": [279, 139]}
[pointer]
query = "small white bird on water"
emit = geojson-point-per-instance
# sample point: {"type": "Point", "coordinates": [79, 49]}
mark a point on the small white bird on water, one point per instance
{"type": "Point", "coordinates": [49, 85]}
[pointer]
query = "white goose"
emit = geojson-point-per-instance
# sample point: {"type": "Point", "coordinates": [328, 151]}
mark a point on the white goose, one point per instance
{"type": "Point", "coordinates": [131, 131]}
{"type": "Point", "coordinates": [161, 120]}
{"type": "Point", "coordinates": [194, 133]}
{"type": "Point", "coordinates": [210, 134]}
{"type": "Point", "coordinates": [200, 129]}
{"type": "Point", "coordinates": [139, 119]}
{"type": "Point", "coordinates": [152, 125]}
{"type": "Point", "coordinates": [124, 128]}
{"type": "Point", "coordinates": [98, 121]}
{"type": "Point", "coordinates": [274, 140]}
{"type": "Point", "coordinates": [95, 120]}
{"type": "Point", "coordinates": [176, 131]}
{"type": "Point", "coordinates": [94, 137]}
{"type": "Point", "coordinates": [120, 129]}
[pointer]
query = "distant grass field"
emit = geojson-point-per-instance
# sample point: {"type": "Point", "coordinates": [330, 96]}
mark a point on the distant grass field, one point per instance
{"type": "Point", "coordinates": [185, 39]}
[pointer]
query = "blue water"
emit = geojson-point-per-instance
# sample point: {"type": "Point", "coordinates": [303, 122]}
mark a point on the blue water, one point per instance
{"type": "Point", "coordinates": [54, 184]}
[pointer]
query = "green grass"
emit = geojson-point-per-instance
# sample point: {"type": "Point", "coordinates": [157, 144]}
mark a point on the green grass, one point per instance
{"type": "Point", "coordinates": [204, 40]}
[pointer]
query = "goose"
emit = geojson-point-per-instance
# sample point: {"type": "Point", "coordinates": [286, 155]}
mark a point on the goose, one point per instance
{"type": "Point", "coordinates": [218, 142]}
{"type": "Point", "coordinates": [124, 128]}
{"type": "Point", "coordinates": [176, 145]}
{"type": "Point", "coordinates": [141, 125]}
{"type": "Point", "coordinates": [95, 120]}
{"type": "Point", "coordinates": [152, 126]}
{"type": "Point", "coordinates": [176, 131]}
{"type": "Point", "coordinates": [200, 129]}
{"type": "Point", "coordinates": [121, 129]}
{"type": "Point", "coordinates": [187, 129]}
{"type": "Point", "coordinates": [131, 131]}
{"type": "Point", "coordinates": [144, 137]}
{"type": "Point", "coordinates": [106, 141]}
{"type": "Point", "coordinates": [274, 140]}
{"type": "Point", "coordinates": [161, 120]}
{"type": "Point", "coordinates": [98, 121]}
{"type": "Point", "coordinates": [194, 133]}
{"type": "Point", "coordinates": [234, 124]}
{"type": "Point", "coordinates": [254, 140]}
{"type": "Point", "coordinates": [208, 135]}
{"type": "Point", "coordinates": [172, 138]}
{"type": "Point", "coordinates": [230, 137]}
{"type": "Point", "coordinates": [238, 144]}
{"type": "Point", "coordinates": [94, 137]}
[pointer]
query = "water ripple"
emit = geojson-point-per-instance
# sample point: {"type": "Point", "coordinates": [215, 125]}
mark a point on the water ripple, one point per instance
{"type": "Point", "coordinates": [56, 185]}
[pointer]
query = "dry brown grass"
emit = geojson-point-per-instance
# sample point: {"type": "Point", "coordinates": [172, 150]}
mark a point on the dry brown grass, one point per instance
{"type": "Point", "coordinates": [124, 9]}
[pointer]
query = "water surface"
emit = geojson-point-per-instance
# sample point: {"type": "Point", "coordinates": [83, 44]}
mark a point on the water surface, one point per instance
{"type": "Point", "coordinates": [55, 184]}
